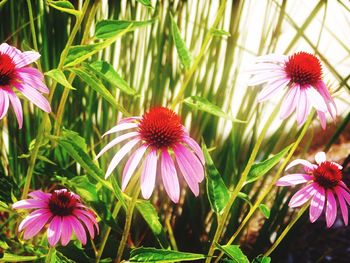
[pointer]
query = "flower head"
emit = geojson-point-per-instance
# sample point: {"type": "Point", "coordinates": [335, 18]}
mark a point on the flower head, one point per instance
{"type": "Point", "coordinates": [161, 139]}
{"type": "Point", "coordinates": [301, 73]}
{"type": "Point", "coordinates": [62, 211]}
{"type": "Point", "coordinates": [324, 182]}
{"type": "Point", "coordinates": [14, 74]}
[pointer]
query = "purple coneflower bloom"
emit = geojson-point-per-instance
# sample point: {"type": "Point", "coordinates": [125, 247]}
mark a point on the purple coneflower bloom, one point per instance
{"type": "Point", "coordinates": [302, 74]}
{"type": "Point", "coordinates": [64, 213]}
{"type": "Point", "coordinates": [28, 81]}
{"type": "Point", "coordinates": [160, 137]}
{"type": "Point", "coordinates": [324, 182]}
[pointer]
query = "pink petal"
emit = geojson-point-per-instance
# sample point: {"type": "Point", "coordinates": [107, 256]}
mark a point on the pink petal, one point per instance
{"type": "Point", "coordinates": [293, 179]}
{"type": "Point", "coordinates": [120, 155]}
{"type": "Point", "coordinates": [34, 96]}
{"type": "Point", "coordinates": [16, 105]}
{"type": "Point", "coordinates": [262, 67]}
{"type": "Point", "coordinates": [338, 165]}
{"type": "Point", "coordinates": [32, 217]}
{"type": "Point", "coordinates": [67, 231]}
{"type": "Point", "coordinates": [195, 147]}
{"type": "Point", "coordinates": [54, 230]}
{"type": "Point", "coordinates": [132, 164]}
{"type": "Point", "coordinates": [322, 89]}
{"type": "Point", "coordinates": [4, 103]}
{"type": "Point", "coordinates": [331, 209]}
{"type": "Point", "coordinates": [13, 52]}
{"type": "Point", "coordinates": [303, 108]}
{"type": "Point", "coordinates": [87, 222]}
{"type": "Point", "coordinates": [302, 196]}
{"type": "Point", "coordinates": [265, 77]}
{"type": "Point", "coordinates": [344, 193]}
{"type": "Point", "coordinates": [116, 141]}
{"type": "Point", "coordinates": [322, 116]}
{"type": "Point", "coordinates": [271, 88]}
{"type": "Point", "coordinates": [169, 177]}
{"type": "Point", "coordinates": [91, 216]}
{"type": "Point", "coordinates": [78, 229]}
{"type": "Point", "coordinates": [36, 225]}
{"type": "Point", "coordinates": [302, 162]}
{"type": "Point", "coordinates": [26, 58]}
{"type": "Point", "coordinates": [320, 157]}
{"type": "Point", "coordinates": [343, 206]}
{"type": "Point", "coordinates": [273, 58]}
{"type": "Point", "coordinates": [33, 78]}
{"type": "Point", "coordinates": [121, 127]}
{"type": "Point", "coordinates": [40, 195]}
{"type": "Point", "coordinates": [29, 204]}
{"type": "Point", "coordinates": [148, 176]}
{"type": "Point", "coordinates": [290, 101]}
{"type": "Point", "coordinates": [129, 119]}
{"type": "Point", "coordinates": [316, 99]}
{"type": "Point", "coordinates": [317, 204]}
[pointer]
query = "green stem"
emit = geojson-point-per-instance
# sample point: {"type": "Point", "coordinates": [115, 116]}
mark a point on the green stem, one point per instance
{"type": "Point", "coordinates": [204, 47]}
{"type": "Point", "coordinates": [286, 230]}
{"type": "Point", "coordinates": [41, 130]}
{"type": "Point", "coordinates": [129, 214]}
{"type": "Point", "coordinates": [222, 219]}
{"type": "Point", "coordinates": [49, 255]}
{"type": "Point", "coordinates": [271, 184]}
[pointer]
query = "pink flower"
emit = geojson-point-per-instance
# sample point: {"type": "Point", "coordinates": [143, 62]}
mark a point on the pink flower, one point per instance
{"type": "Point", "coordinates": [160, 137]}
{"type": "Point", "coordinates": [324, 182]}
{"type": "Point", "coordinates": [28, 81]}
{"type": "Point", "coordinates": [63, 211]}
{"type": "Point", "coordinates": [301, 73]}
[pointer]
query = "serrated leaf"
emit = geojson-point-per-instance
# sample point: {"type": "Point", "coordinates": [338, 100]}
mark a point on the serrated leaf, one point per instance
{"type": "Point", "coordinates": [219, 32]}
{"type": "Point", "coordinates": [106, 71]}
{"type": "Point", "coordinates": [150, 254]}
{"type": "Point", "coordinates": [234, 252]}
{"type": "Point", "coordinates": [202, 104]}
{"type": "Point", "coordinates": [261, 259]}
{"type": "Point", "coordinates": [217, 191]}
{"type": "Point", "coordinates": [59, 77]}
{"type": "Point", "coordinates": [182, 51]}
{"type": "Point", "coordinates": [150, 215]}
{"type": "Point", "coordinates": [97, 85]}
{"type": "Point", "coordinates": [261, 168]}
{"type": "Point", "coordinates": [64, 6]}
{"type": "Point", "coordinates": [110, 28]}
{"type": "Point", "coordinates": [265, 210]}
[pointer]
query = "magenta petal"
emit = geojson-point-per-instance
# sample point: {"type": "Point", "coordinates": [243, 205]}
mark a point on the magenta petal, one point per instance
{"type": "Point", "coordinates": [4, 103]}
{"type": "Point", "coordinates": [290, 101]}
{"type": "Point", "coordinates": [91, 216]}
{"type": "Point", "coordinates": [54, 230]}
{"type": "Point", "coordinates": [36, 225]}
{"type": "Point", "coordinates": [66, 232]}
{"type": "Point", "coordinates": [302, 196]}
{"type": "Point", "coordinates": [169, 177]}
{"type": "Point", "coordinates": [148, 176]}
{"type": "Point", "coordinates": [40, 195]}
{"type": "Point", "coordinates": [33, 78]}
{"type": "Point", "coordinates": [300, 161]}
{"type": "Point", "coordinates": [31, 218]}
{"type": "Point", "coordinates": [17, 106]}
{"type": "Point", "coordinates": [331, 209]}
{"type": "Point", "coordinates": [78, 229]}
{"type": "Point", "coordinates": [121, 127]}
{"type": "Point", "coordinates": [132, 164]}
{"type": "Point", "coordinates": [34, 96]}
{"type": "Point", "coordinates": [26, 58]}
{"type": "Point", "coordinates": [87, 222]}
{"type": "Point", "coordinates": [29, 204]}
{"type": "Point", "coordinates": [343, 206]}
{"type": "Point", "coordinates": [195, 147]}
{"type": "Point", "coordinates": [322, 116]}
{"type": "Point", "coordinates": [293, 179]}
{"type": "Point", "coordinates": [317, 204]}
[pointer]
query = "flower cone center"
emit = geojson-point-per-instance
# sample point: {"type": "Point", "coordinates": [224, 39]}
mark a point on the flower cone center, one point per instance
{"type": "Point", "coordinates": [7, 69]}
{"type": "Point", "coordinates": [327, 174]}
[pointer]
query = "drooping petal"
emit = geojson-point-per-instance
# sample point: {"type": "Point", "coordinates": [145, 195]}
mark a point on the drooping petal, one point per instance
{"type": "Point", "coordinates": [320, 157]}
{"type": "Point", "coordinates": [26, 58]}
{"type": "Point", "coordinates": [34, 78]}
{"type": "Point", "coordinates": [54, 231]}
{"type": "Point", "coordinates": [302, 196]}
{"type": "Point", "coordinates": [67, 231]}
{"type": "Point", "coordinates": [169, 177]}
{"type": "Point", "coordinates": [303, 108]}
{"type": "Point", "coordinates": [32, 217]}
{"type": "Point", "coordinates": [34, 96]}
{"type": "Point", "coordinates": [331, 209]}
{"type": "Point", "coordinates": [148, 176]}
{"type": "Point", "coordinates": [290, 101]}
{"type": "Point", "coordinates": [317, 204]}
{"type": "Point", "coordinates": [293, 179]}
{"type": "Point", "coordinates": [132, 164]}
{"type": "Point", "coordinates": [344, 193]}
{"type": "Point", "coordinates": [343, 206]}
{"type": "Point", "coordinates": [195, 147]}
{"type": "Point", "coordinates": [316, 99]}
{"type": "Point", "coordinates": [16, 105]}
{"type": "Point", "coordinates": [300, 161]}
{"type": "Point", "coordinates": [4, 103]}
{"type": "Point", "coordinates": [121, 127]}
{"type": "Point", "coordinates": [271, 88]}
{"type": "Point", "coordinates": [91, 216]}
{"type": "Point", "coordinates": [120, 155]}
{"type": "Point", "coordinates": [115, 141]}
{"type": "Point", "coordinates": [322, 116]}
{"type": "Point", "coordinates": [78, 229]}
{"type": "Point", "coordinates": [36, 225]}
{"type": "Point", "coordinates": [87, 222]}
{"type": "Point", "coordinates": [29, 204]}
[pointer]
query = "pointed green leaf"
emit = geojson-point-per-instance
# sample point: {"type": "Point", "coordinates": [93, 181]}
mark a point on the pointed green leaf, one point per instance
{"type": "Point", "coordinates": [202, 104]}
{"type": "Point", "coordinates": [245, 198]}
{"type": "Point", "coordinates": [260, 169]}
{"type": "Point", "coordinates": [234, 252]}
{"type": "Point", "coordinates": [64, 6]}
{"type": "Point", "coordinates": [150, 254]}
{"type": "Point", "coordinates": [265, 210]}
{"type": "Point", "coordinates": [145, 2]}
{"type": "Point", "coordinates": [17, 258]}
{"type": "Point", "coordinates": [110, 28]}
{"type": "Point", "coordinates": [182, 51]}
{"type": "Point", "coordinates": [59, 77]}
{"type": "Point", "coordinates": [217, 191]}
{"type": "Point", "coordinates": [261, 259]}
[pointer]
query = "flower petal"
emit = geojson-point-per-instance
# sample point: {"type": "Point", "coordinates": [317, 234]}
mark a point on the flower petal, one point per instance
{"type": "Point", "coordinates": [169, 177]}
{"type": "Point", "coordinates": [16, 105]}
{"type": "Point", "coordinates": [262, 67]}
{"type": "Point", "coordinates": [322, 116]}
{"type": "Point", "coordinates": [34, 96]}
{"type": "Point", "coordinates": [290, 101]}
{"type": "Point", "coordinates": [303, 108]}
{"type": "Point", "coordinates": [29, 204]}
{"type": "Point", "coordinates": [31, 218]}
{"type": "Point", "coordinates": [271, 88]}
{"type": "Point", "coordinates": [273, 58]}
{"type": "Point", "coordinates": [34, 78]}
{"type": "Point", "coordinates": [317, 204]}
{"type": "Point", "coordinates": [195, 147]}
{"type": "Point", "coordinates": [343, 205]}
{"type": "Point", "coordinates": [67, 231]}
{"type": "Point", "coordinates": [320, 157]}
{"type": "Point", "coordinates": [54, 231]}
{"type": "Point", "coordinates": [40, 195]}
{"type": "Point", "coordinates": [26, 58]}
{"type": "Point", "coordinates": [293, 179]}
{"type": "Point", "coordinates": [148, 176]}
{"type": "Point", "coordinates": [265, 77]}
{"type": "Point", "coordinates": [78, 229]}
{"type": "Point", "coordinates": [121, 127]}
{"type": "Point", "coordinates": [36, 225]}
{"type": "Point", "coordinates": [87, 222]}
{"type": "Point", "coordinates": [316, 99]}
{"type": "Point", "coordinates": [4, 103]}
{"type": "Point", "coordinates": [302, 196]}
{"type": "Point", "coordinates": [300, 161]}
{"type": "Point", "coordinates": [90, 214]}
{"type": "Point", "coordinates": [331, 209]}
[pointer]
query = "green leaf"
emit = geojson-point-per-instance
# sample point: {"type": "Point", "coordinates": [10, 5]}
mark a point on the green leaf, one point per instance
{"type": "Point", "coordinates": [108, 73]}
{"type": "Point", "coordinates": [218, 193]}
{"type": "Point", "coordinates": [265, 210]}
{"type": "Point", "coordinates": [59, 76]}
{"type": "Point", "coordinates": [78, 54]}
{"type": "Point", "coordinates": [261, 259]}
{"type": "Point", "coordinates": [182, 51]}
{"type": "Point", "coordinates": [16, 258]}
{"type": "Point", "coordinates": [85, 188]}
{"type": "Point", "coordinates": [64, 6]}
{"type": "Point", "coordinates": [260, 169]}
{"type": "Point", "coordinates": [150, 215]}
{"type": "Point", "coordinates": [245, 198]}
{"type": "Point", "coordinates": [110, 28]}
{"type": "Point", "coordinates": [97, 85]}
{"type": "Point", "coordinates": [145, 2]}
{"type": "Point", "coordinates": [234, 252]}
{"type": "Point", "coordinates": [149, 254]}
{"type": "Point", "coordinates": [219, 32]}
{"type": "Point", "coordinates": [203, 104]}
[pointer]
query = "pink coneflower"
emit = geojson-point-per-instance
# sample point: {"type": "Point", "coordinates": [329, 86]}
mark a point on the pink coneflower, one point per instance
{"type": "Point", "coordinates": [28, 81]}
{"type": "Point", "coordinates": [62, 211]}
{"type": "Point", "coordinates": [324, 182]}
{"type": "Point", "coordinates": [301, 73]}
{"type": "Point", "coordinates": [160, 137]}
